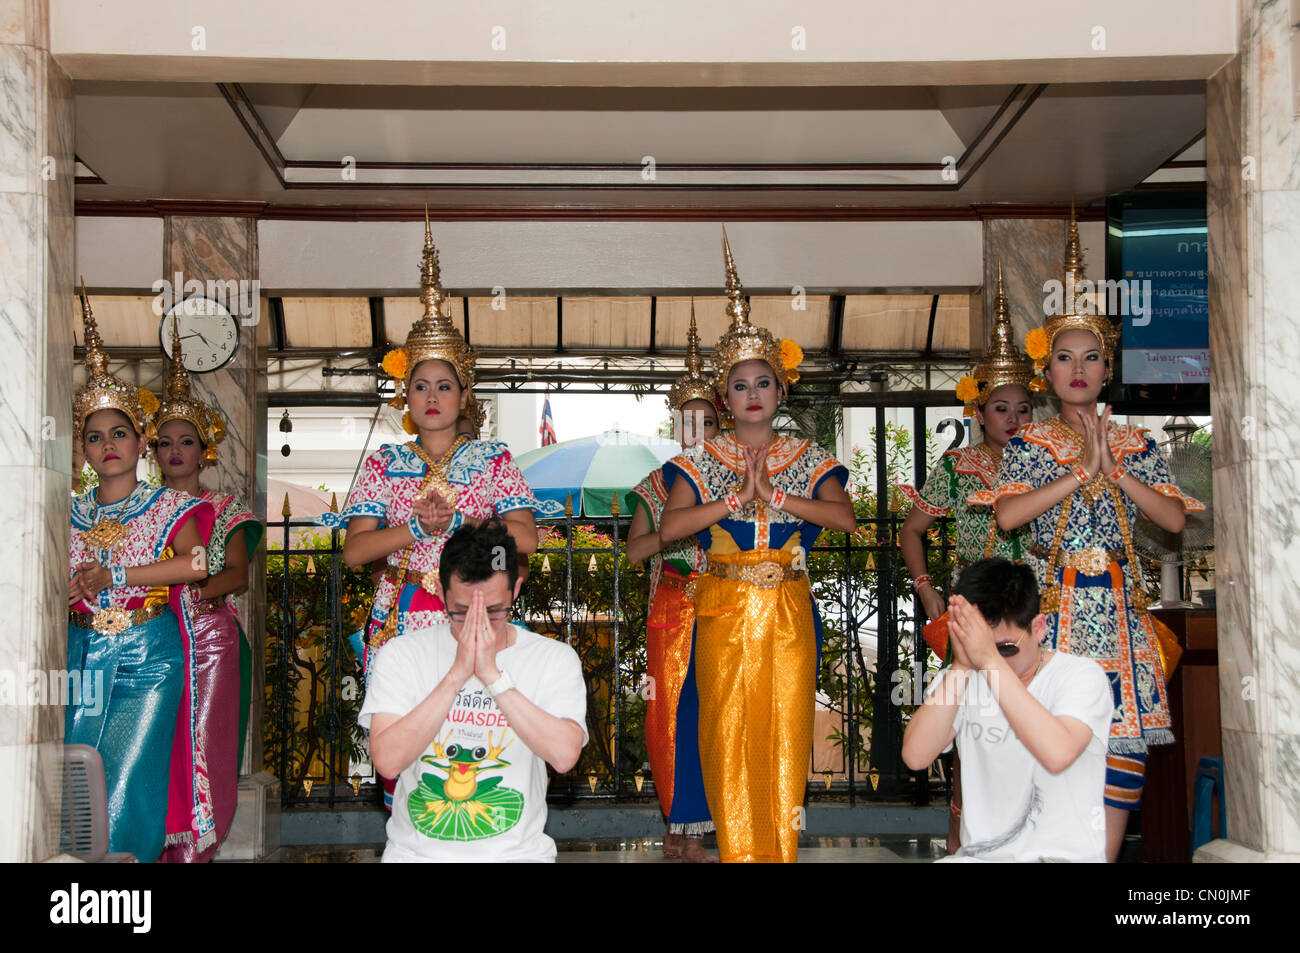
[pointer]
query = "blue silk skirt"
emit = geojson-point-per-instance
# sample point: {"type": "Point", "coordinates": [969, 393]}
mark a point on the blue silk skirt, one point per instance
{"type": "Point", "coordinates": [131, 725]}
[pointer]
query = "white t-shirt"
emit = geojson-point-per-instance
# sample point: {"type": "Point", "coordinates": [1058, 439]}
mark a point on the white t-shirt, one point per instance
{"type": "Point", "coordinates": [477, 793]}
{"type": "Point", "coordinates": [1013, 809]}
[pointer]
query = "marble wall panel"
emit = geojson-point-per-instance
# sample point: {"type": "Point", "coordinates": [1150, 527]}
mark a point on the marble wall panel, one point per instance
{"type": "Point", "coordinates": [1031, 251]}
{"type": "Point", "coordinates": [36, 265]}
{"type": "Point", "coordinates": [1277, 390]}
{"type": "Point", "coordinates": [21, 386]}
{"type": "Point", "coordinates": [25, 22]}
{"type": "Point", "coordinates": [1266, 30]}
{"type": "Point", "coordinates": [225, 249]}
{"type": "Point", "coordinates": [1279, 603]}
{"type": "Point", "coordinates": [1283, 793]}
{"type": "Point", "coordinates": [1243, 756]}
{"type": "Point", "coordinates": [21, 146]}
{"type": "Point", "coordinates": [1239, 675]}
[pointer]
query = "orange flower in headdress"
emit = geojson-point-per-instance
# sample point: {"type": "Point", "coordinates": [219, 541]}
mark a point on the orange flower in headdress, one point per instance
{"type": "Point", "coordinates": [967, 389]}
{"type": "Point", "coordinates": [394, 363]}
{"type": "Point", "coordinates": [1036, 344]}
{"type": "Point", "coordinates": [791, 355]}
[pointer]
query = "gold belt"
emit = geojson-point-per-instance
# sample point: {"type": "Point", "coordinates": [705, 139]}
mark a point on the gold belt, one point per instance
{"type": "Point", "coordinates": [428, 581]}
{"type": "Point", "coordinates": [114, 620]}
{"type": "Point", "coordinates": [1092, 561]}
{"type": "Point", "coordinates": [201, 607]}
{"type": "Point", "coordinates": [766, 575]}
{"type": "Point", "coordinates": [685, 584]}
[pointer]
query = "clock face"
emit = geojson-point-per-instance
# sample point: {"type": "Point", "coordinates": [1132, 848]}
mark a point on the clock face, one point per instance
{"type": "Point", "coordinates": [209, 333]}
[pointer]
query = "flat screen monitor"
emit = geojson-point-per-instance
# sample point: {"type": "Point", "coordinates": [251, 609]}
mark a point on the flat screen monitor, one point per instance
{"type": "Point", "coordinates": [1157, 270]}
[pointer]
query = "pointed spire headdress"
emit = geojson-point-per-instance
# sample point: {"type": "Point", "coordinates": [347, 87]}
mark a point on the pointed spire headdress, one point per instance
{"type": "Point", "coordinates": [179, 404]}
{"type": "Point", "coordinates": [433, 337]}
{"type": "Point", "coordinates": [744, 341]}
{"type": "Point", "coordinates": [694, 384]}
{"type": "Point", "coordinates": [1079, 312]}
{"type": "Point", "coordinates": [102, 390]}
{"type": "Point", "coordinates": [1003, 362]}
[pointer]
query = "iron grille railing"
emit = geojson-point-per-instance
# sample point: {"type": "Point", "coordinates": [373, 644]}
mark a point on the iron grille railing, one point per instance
{"type": "Point", "coordinates": [582, 589]}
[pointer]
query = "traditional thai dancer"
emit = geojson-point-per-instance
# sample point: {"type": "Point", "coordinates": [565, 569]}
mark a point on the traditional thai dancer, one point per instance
{"type": "Point", "coordinates": [410, 498]}
{"type": "Point", "coordinates": [997, 394]}
{"type": "Point", "coordinates": [131, 556]}
{"type": "Point", "coordinates": [673, 705]}
{"type": "Point", "coordinates": [757, 502]}
{"type": "Point", "coordinates": [1079, 482]}
{"type": "Point", "coordinates": [186, 433]}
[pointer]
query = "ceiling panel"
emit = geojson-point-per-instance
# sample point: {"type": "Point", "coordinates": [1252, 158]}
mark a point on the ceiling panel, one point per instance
{"type": "Point", "coordinates": [123, 321]}
{"type": "Point", "coordinates": [615, 323]}
{"type": "Point", "coordinates": [886, 322]}
{"type": "Point", "coordinates": [514, 322]}
{"type": "Point", "coordinates": [327, 322]}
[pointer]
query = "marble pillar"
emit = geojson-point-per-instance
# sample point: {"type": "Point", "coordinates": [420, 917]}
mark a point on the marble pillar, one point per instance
{"type": "Point", "coordinates": [36, 319]}
{"type": "Point", "coordinates": [1253, 202]}
{"type": "Point", "coordinates": [1031, 251]}
{"type": "Point", "coordinates": [225, 249]}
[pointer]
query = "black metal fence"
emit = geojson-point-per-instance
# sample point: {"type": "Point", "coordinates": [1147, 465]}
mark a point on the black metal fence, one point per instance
{"type": "Point", "coordinates": [582, 589]}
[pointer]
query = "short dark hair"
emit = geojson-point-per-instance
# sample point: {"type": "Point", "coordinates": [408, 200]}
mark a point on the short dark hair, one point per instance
{"type": "Point", "coordinates": [1001, 590]}
{"type": "Point", "coordinates": [475, 553]}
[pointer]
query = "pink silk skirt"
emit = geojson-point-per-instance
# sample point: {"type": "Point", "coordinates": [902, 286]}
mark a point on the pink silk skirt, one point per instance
{"type": "Point", "coordinates": [216, 637]}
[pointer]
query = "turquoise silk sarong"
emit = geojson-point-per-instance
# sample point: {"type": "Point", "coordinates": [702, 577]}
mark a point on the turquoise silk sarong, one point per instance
{"type": "Point", "coordinates": [132, 721]}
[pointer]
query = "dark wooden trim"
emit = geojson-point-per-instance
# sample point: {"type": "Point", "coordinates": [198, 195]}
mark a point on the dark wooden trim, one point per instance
{"type": "Point", "coordinates": [248, 117]}
{"type": "Point", "coordinates": [464, 311]}
{"type": "Point", "coordinates": [1190, 164]}
{"type": "Point", "coordinates": [1189, 186]}
{"type": "Point", "coordinates": [616, 187]}
{"type": "Point", "coordinates": [1084, 213]}
{"type": "Point", "coordinates": [929, 331]}
{"type": "Point", "coordinates": [835, 339]}
{"type": "Point", "coordinates": [1170, 163]}
{"type": "Point", "coordinates": [654, 307]}
{"type": "Point", "coordinates": [979, 137]}
{"type": "Point", "coordinates": [628, 167]}
{"type": "Point", "coordinates": [559, 324]}
{"type": "Point", "coordinates": [279, 341]}
{"type": "Point", "coordinates": [378, 337]}
{"type": "Point", "coordinates": [591, 213]}
{"type": "Point", "coordinates": [1038, 91]}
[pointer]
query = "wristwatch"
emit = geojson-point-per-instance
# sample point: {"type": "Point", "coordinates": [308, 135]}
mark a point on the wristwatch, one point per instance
{"type": "Point", "coordinates": [502, 684]}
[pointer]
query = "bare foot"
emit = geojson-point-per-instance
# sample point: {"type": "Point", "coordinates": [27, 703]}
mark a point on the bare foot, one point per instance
{"type": "Point", "coordinates": [695, 852]}
{"type": "Point", "coordinates": [673, 844]}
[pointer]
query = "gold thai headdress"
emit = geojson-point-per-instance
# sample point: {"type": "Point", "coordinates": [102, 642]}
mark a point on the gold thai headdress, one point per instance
{"type": "Point", "coordinates": [103, 391]}
{"type": "Point", "coordinates": [1079, 313]}
{"type": "Point", "coordinates": [179, 405]}
{"type": "Point", "coordinates": [748, 342]}
{"type": "Point", "coordinates": [433, 337]}
{"type": "Point", "coordinates": [1002, 364]}
{"type": "Point", "coordinates": [694, 384]}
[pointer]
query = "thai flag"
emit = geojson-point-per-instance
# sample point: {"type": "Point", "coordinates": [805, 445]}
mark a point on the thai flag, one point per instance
{"type": "Point", "coordinates": [547, 429]}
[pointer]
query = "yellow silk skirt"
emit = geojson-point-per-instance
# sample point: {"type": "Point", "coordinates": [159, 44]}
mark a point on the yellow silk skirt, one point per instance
{"type": "Point", "coordinates": [755, 666]}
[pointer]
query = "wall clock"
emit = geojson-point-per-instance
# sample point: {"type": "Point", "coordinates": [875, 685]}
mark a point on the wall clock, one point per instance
{"type": "Point", "coordinates": [209, 333]}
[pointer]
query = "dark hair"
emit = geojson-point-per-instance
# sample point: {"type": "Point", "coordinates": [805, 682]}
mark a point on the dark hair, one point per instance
{"type": "Point", "coordinates": [1001, 590]}
{"type": "Point", "coordinates": [475, 553]}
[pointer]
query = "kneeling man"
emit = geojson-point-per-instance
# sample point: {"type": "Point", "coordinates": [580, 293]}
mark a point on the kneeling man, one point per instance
{"type": "Point", "coordinates": [467, 715]}
{"type": "Point", "coordinates": [1031, 726]}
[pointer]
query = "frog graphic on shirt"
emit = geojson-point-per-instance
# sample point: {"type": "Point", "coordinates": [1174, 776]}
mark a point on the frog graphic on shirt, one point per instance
{"type": "Point", "coordinates": [464, 806]}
